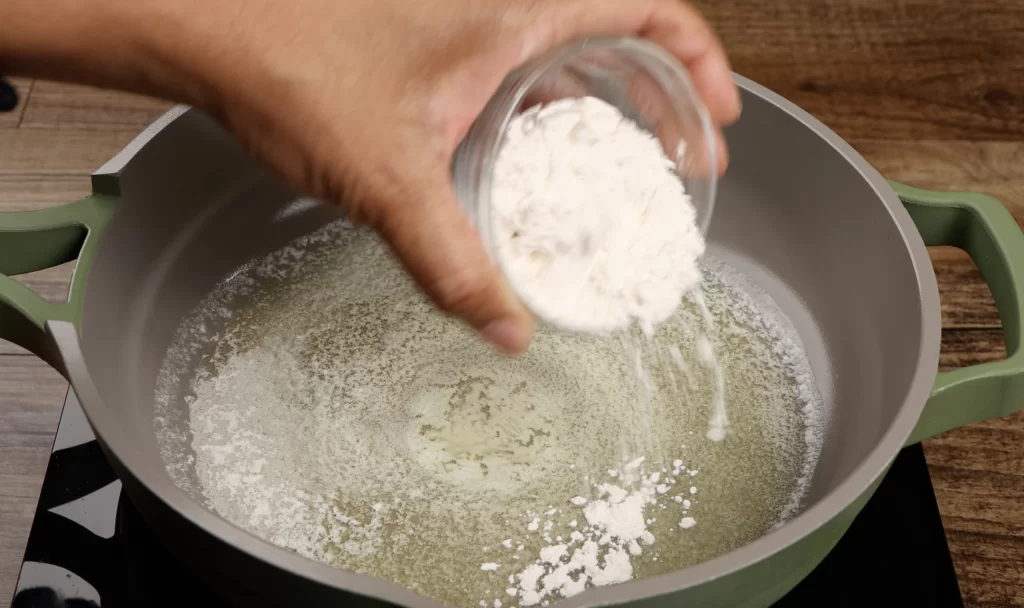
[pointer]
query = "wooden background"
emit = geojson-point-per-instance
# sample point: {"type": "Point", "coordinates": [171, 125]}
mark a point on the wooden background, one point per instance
{"type": "Point", "coordinates": [931, 92]}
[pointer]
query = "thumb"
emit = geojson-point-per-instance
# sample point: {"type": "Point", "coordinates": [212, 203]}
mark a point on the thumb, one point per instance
{"type": "Point", "coordinates": [441, 249]}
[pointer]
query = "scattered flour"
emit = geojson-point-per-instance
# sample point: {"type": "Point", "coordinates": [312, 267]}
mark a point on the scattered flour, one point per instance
{"type": "Point", "coordinates": [602, 553]}
{"type": "Point", "coordinates": [591, 222]}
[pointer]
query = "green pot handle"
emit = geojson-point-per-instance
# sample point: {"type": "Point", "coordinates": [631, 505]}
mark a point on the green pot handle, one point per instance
{"type": "Point", "coordinates": [36, 240]}
{"type": "Point", "coordinates": [982, 227]}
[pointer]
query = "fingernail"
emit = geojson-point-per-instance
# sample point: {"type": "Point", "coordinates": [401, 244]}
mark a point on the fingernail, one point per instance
{"type": "Point", "coordinates": [507, 334]}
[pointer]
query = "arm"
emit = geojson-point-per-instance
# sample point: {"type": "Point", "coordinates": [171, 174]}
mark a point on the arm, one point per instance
{"type": "Point", "coordinates": [357, 102]}
{"type": "Point", "coordinates": [106, 43]}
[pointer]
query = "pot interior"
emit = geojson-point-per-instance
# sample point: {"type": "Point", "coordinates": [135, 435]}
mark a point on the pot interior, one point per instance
{"type": "Point", "coordinates": [794, 215]}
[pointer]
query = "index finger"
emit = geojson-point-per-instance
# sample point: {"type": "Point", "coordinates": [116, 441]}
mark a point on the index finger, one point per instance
{"type": "Point", "coordinates": [673, 24]}
{"type": "Point", "coordinates": [680, 29]}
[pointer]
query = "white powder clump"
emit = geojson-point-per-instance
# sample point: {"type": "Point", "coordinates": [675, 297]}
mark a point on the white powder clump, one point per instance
{"type": "Point", "coordinates": [528, 580]}
{"type": "Point", "coordinates": [590, 221]}
{"type": "Point", "coordinates": [489, 567]}
{"type": "Point", "coordinates": [599, 554]}
{"type": "Point", "coordinates": [552, 554]}
{"type": "Point", "coordinates": [623, 520]}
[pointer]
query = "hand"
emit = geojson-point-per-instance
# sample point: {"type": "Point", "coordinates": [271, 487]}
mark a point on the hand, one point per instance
{"type": "Point", "coordinates": [362, 103]}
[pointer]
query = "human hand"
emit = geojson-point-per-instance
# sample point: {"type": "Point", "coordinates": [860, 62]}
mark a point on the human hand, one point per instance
{"type": "Point", "coordinates": [361, 103]}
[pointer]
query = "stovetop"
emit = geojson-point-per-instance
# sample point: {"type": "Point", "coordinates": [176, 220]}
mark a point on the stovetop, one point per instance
{"type": "Point", "coordinates": [89, 547]}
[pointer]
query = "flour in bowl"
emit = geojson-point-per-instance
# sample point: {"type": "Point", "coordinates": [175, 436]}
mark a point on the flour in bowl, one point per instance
{"type": "Point", "coordinates": [591, 223]}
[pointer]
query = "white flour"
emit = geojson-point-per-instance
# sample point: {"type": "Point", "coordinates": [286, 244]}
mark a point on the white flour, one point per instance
{"type": "Point", "coordinates": [601, 553]}
{"type": "Point", "coordinates": [596, 232]}
{"type": "Point", "coordinates": [706, 354]}
{"type": "Point", "coordinates": [591, 222]}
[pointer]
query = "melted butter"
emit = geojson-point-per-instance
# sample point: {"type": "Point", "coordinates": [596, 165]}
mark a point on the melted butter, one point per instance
{"type": "Point", "coordinates": [394, 443]}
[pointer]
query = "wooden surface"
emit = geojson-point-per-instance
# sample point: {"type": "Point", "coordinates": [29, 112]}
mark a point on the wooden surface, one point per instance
{"type": "Point", "coordinates": [931, 92]}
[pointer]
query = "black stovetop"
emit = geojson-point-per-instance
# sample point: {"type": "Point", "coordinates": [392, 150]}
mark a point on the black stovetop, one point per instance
{"type": "Point", "coordinates": [89, 547]}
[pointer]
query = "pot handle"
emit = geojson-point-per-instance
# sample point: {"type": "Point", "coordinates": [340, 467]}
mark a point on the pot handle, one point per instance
{"type": "Point", "coordinates": [36, 240]}
{"type": "Point", "coordinates": [982, 227]}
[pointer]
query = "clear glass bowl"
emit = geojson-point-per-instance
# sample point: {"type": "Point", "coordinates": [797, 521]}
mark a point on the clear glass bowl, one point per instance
{"type": "Point", "coordinates": [641, 79]}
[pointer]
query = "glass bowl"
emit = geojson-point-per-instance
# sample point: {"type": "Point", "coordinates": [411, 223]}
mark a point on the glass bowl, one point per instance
{"type": "Point", "coordinates": [645, 82]}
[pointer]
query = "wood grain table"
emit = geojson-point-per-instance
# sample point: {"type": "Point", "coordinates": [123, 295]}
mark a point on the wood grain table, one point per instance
{"type": "Point", "coordinates": [931, 92]}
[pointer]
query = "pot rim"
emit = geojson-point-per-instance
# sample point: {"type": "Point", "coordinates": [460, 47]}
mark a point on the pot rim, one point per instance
{"type": "Point", "coordinates": [110, 432]}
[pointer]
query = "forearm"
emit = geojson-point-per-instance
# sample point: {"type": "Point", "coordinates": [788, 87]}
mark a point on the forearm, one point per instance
{"type": "Point", "coordinates": [133, 45]}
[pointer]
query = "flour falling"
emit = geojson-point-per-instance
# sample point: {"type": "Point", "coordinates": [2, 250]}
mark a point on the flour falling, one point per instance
{"type": "Point", "coordinates": [595, 230]}
{"type": "Point", "coordinates": [592, 224]}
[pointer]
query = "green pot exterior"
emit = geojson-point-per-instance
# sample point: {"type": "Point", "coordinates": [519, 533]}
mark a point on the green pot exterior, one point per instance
{"type": "Point", "coordinates": [982, 227]}
{"type": "Point", "coordinates": [978, 224]}
{"type": "Point", "coordinates": [37, 240]}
